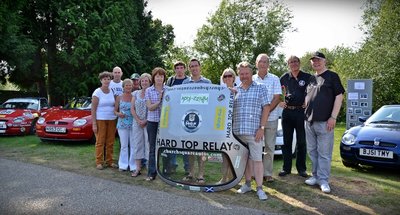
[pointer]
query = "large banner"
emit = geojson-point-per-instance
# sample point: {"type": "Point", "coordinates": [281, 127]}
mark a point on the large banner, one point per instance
{"type": "Point", "coordinates": [195, 147]}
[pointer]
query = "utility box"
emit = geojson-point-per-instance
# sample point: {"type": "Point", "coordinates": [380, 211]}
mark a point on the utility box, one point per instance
{"type": "Point", "coordinates": [359, 101]}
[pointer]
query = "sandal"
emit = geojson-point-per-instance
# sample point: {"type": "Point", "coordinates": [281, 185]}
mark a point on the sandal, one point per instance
{"type": "Point", "coordinates": [188, 178]}
{"type": "Point", "coordinates": [136, 173]}
{"type": "Point", "coordinates": [200, 180]}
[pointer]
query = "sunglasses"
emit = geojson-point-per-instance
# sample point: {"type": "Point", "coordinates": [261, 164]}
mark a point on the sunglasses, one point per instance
{"type": "Point", "coordinates": [228, 76]}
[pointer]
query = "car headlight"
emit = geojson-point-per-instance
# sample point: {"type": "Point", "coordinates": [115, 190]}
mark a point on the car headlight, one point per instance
{"type": "Point", "coordinates": [348, 139]}
{"type": "Point", "coordinates": [40, 120]}
{"type": "Point", "coordinates": [28, 115]}
{"type": "Point", "coordinates": [80, 122]}
{"type": "Point", "coordinates": [279, 133]}
{"type": "Point", "coordinates": [18, 119]}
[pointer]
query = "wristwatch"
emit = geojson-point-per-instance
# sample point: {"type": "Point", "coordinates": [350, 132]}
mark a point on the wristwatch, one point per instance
{"type": "Point", "coordinates": [262, 127]}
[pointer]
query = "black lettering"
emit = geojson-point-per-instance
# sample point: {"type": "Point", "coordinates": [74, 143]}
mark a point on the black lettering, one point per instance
{"type": "Point", "coordinates": [205, 146]}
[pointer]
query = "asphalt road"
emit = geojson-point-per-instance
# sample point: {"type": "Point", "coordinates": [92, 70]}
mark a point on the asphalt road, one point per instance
{"type": "Point", "coordinates": [32, 189]}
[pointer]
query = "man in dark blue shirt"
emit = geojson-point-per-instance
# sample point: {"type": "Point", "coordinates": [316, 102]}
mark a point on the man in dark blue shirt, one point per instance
{"type": "Point", "coordinates": [294, 84]}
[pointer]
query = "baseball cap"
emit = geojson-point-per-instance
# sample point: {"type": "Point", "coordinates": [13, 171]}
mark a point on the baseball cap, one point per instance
{"type": "Point", "coordinates": [135, 76]}
{"type": "Point", "coordinates": [318, 55]}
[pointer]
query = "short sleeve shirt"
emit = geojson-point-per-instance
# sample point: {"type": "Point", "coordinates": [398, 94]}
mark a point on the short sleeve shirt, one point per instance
{"type": "Point", "coordinates": [273, 85]}
{"type": "Point", "coordinates": [105, 109]}
{"type": "Point", "coordinates": [295, 88]}
{"type": "Point", "coordinates": [116, 88]}
{"type": "Point", "coordinates": [322, 91]}
{"type": "Point", "coordinates": [247, 108]}
{"type": "Point", "coordinates": [153, 96]}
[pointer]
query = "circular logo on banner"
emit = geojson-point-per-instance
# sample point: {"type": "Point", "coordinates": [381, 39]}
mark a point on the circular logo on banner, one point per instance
{"type": "Point", "coordinates": [302, 83]}
{"type": "Point", "coordinates": [191, 121]}
{"type": "Point", "coordinates": [167, 98]}
{"type": "Point", "coordinates": [221, 97]}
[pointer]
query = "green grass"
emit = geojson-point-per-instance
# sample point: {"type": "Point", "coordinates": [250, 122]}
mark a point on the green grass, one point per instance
{"type": "Point", "coordinates": [354, 191]}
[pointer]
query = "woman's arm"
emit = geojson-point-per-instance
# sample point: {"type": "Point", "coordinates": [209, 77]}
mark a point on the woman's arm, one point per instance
{"type": "Point", "coordinates": [95, 104]}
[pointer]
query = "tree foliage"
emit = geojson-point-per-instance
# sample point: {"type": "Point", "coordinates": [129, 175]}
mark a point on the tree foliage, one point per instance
{"type": "Point", "coordinates": [61, 46]}
{"type": "Point", "coordinates": [379, 57]}
{"type": "Point", "coordinates": [240, 30]}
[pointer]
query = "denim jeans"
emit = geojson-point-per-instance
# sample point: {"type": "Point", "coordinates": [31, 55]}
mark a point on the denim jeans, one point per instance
{"type": "Point", "coordinates": [319, 148]}
{"type": "Point", "coordinates": [152, 132]}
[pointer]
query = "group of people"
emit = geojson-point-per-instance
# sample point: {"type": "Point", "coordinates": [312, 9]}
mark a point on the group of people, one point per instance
{"type": "Point", "coordinates": [310, 104]}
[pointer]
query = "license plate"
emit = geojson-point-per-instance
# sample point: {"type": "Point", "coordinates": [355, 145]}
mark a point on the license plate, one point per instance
{"type": "Point", "coordinates": [376, 153]}
{"type": "Point", "coordinates": [56, 129]}
{"type": "Point", "coordinates": [2, 131]}
{"type": "Point", "coordinates": [3, 125]}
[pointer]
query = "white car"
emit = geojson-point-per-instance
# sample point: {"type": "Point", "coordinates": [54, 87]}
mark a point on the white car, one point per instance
{"type": "Point", "coordinates": [279, 137]}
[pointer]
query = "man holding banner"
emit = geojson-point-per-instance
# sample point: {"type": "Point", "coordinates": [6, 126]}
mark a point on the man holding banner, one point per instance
{"type": "Point", "coordinates": [250, 115]}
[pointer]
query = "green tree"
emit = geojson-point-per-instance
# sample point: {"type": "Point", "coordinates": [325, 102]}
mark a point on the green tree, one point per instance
{"type": "Point", "coordinates": [177, 53]}
{"type": "Point", "coordinates": [60, 46]}
{"type": "Point", "coordinates": [240, 30]}
{"type": "Point", "coordinates": [379, 57]}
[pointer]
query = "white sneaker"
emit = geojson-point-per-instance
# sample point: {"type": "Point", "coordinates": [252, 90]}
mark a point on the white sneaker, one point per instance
{"type": "Point", "coordinates": [311, 181]}
{"type": "Point", "coordinates": [244, 189]}
{"type": "Point", "coordinates": [325, 188]}
{"type": "Point", "coordinates": [261, 195]}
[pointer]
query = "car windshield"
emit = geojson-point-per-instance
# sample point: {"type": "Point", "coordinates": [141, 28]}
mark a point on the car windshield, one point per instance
{"type": "Point", "coordinates": [80, 104]}
{"type": "Point", "coordinates": [386, 115]}
{"type": "Point", "coordinates": [20, 105]}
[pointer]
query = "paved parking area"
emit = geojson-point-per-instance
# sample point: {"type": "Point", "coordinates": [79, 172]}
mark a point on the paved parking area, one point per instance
{"type": "Point", "coordinates": [32, 189]}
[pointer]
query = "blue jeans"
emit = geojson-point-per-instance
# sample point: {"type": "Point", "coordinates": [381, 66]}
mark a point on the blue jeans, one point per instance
{"type": "Point", "coordinates": [152, 133]}
{"type": "Point", "coordinates": [319, 148]}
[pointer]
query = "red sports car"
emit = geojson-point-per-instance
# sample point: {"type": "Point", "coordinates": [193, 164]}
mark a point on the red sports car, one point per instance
{"type": "Point", "coordinates": [18, 115]}
{"type": "Point", "coordinates": [71, 123]}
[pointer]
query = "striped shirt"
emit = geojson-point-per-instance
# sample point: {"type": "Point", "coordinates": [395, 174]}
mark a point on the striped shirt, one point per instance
{"type": "Point", "coordinates": [273, 85]}
{"type": "Point", "coordinates": [247, 108]}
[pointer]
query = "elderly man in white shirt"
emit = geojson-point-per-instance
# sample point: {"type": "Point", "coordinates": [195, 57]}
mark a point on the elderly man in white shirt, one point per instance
{"type": "Point", "coordinates": [273, 85]}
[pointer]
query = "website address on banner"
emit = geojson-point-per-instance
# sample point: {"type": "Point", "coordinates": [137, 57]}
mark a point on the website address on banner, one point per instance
{"type": "Point", "coordinates": [178, 152]}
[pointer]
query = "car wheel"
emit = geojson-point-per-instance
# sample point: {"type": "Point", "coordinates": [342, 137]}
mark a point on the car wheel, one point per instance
{"type": "Point", "coordinates": [43, 140]}
{"type": "Point", "coordinates": [349, 164]}
{"type": "Point", "coordinates": [32, 129]}
{"type": "Point", "coordinates": [93, 139]}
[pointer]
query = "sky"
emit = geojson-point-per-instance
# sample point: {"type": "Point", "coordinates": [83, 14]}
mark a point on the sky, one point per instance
{"type": "Point", "coordinates": [318, 23]}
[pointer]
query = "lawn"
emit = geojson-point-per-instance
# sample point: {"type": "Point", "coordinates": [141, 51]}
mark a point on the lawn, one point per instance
{"type": "Point", "coordinates": [354, 191]}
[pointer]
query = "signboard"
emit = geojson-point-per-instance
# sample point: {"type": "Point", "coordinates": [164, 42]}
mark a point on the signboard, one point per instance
{"type": "Point", "coordinates": [359, 101]}
{"type": "Point", "coordinates": [195, 135]}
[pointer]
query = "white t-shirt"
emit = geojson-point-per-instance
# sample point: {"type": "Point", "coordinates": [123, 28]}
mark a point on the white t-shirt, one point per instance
{"type": "Point", "coordinates": [116, 88]}
{"type": "Point", "coordinates": [105, 109]}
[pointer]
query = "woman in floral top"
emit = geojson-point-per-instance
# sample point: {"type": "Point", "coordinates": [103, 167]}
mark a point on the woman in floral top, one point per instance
{"type": "Point", "coordinates": [124, 125]}
{"type": "Point", "coordinates": [139, 112]}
